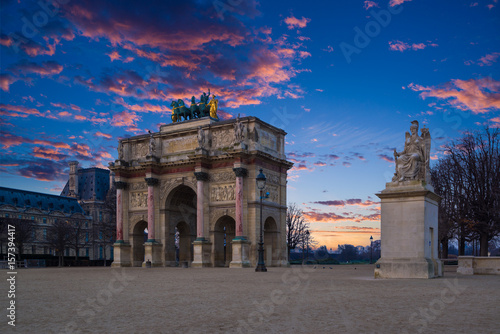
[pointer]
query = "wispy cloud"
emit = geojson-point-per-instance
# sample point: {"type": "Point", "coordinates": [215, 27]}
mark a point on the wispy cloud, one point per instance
{"type": "Point", "coordinates": [293, 22]}
{"type": "Point", "coordinates": [403, 46]}
{"type": "Point", "coordinates": [477, 95]}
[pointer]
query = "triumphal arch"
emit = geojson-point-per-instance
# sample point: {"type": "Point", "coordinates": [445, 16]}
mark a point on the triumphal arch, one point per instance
{"type": "Point", "coordinates": [192, 187]}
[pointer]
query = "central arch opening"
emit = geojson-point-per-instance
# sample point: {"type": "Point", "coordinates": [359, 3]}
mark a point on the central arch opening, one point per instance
{"type": "Point", "coordinates": [224, 233]}
{"type": "Point", "coordinates": [180, 225]}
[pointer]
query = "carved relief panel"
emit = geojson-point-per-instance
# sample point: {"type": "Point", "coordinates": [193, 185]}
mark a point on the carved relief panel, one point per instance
{"type": "Point", "coordinates": [223, 176]}
{"type": "Point", "coordinates": [139, 200]}
{"type": "Point", "coordinates": [221, 192]}
{"type": "Point", "coordinates": [222, 138]}
{"type": "Point", "coordinates": [174, 145]}
{"type": "Point", "coordinates": [139, 150]}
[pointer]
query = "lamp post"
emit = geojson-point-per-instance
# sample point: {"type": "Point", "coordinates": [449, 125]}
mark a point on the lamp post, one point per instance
{"type": "Point", "coordinates": [261, 184]}
{"type": "Point", "coordinates": [307, 245]}
{"type": "Point", "coordinates": [371, 249]}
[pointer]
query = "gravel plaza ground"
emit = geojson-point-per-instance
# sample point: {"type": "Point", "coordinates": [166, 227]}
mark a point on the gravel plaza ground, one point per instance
{"type": "Point", "coordinates": [344, 299]}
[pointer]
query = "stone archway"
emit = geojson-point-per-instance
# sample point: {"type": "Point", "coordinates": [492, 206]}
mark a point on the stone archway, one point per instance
{"type": "Point", "coordinates": [180, 223]}
{"type": "Point", "coordinates": [223, 234]}
{"type": "Point", "coordinates": [139, 237]}
{"type": "Point", "coordinates": [271, 249]}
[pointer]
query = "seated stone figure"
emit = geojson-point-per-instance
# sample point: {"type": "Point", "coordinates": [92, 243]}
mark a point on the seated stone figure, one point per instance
{"type": "Point", "coordinates": [413, 162]}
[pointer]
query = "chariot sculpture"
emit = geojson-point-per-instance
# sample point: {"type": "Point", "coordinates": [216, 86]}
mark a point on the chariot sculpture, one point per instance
{"type": "Point", "coordinates": [200, 109]}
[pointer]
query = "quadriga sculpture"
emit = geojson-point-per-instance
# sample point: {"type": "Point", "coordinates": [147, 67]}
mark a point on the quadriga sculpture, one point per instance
{"type": "Point", "coordinates": [196, 110]}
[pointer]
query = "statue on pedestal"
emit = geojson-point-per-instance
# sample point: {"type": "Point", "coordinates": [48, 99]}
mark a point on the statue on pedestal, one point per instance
{"type": "Point", "coordinates": [201, 137]}
{"type": "Point", "coordinates": [214, 105]}
{"type": "Point", "coordinates": [413, 162]}
{"type": "Point", "coordinates": [152, 145]}
{"type": "Point", "coordinates": [239, 130]}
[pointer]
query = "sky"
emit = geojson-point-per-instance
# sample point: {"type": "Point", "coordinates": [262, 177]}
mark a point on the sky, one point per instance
{"type": "Point", "coordinates": [343, 78]}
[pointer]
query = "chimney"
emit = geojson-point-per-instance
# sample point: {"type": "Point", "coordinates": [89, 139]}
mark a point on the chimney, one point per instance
{"type": "Point", "coordinates": [73, 179]}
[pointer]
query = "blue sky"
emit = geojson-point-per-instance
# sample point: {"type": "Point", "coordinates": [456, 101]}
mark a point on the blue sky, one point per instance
{"type": "Point", "coordinates": [344, 78]}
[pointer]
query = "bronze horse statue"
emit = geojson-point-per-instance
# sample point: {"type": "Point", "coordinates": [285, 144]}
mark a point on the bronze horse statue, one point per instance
{"type": "Point", "coordinates": [180, 110]}
{"type": "Point", "coordinates": [196, 110]}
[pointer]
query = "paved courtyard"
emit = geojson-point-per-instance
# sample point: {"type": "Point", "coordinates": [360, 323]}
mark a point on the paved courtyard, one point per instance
{"type": "Point", "coordinates": [344, 299]}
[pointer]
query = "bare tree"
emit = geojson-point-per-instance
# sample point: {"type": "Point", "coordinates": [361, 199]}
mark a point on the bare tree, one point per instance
{"type": "Point", "coordinates": [468, 180]}
{"type": "Point", "coordinates": [24, 231]}
{"type": "Point", "coordinates": [59, 236]}
{"type": "Point", "coordinates": [296, 228]}
{"type": "Point", "coordinates": [78, 236]}
{"type": "Point", "coordinates": [106, 229]}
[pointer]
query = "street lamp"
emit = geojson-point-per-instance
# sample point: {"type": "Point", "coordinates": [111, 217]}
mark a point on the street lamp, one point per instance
{"type": "Point", "coordinates": [261, 184]}
{"type": "Point", "coordinates": [371, 249]}
{"type": "Point", "coordinates": [307, 245]}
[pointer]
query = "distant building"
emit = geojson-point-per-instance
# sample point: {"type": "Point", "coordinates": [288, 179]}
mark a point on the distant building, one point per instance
{"type": "Point", "coordinates": [90, 187]}
{"type": "Point", "coordinates": [43, 210]}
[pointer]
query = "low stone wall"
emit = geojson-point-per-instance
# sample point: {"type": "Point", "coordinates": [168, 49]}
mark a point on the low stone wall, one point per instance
{"type": "Point", "coordinates": [478, 265]}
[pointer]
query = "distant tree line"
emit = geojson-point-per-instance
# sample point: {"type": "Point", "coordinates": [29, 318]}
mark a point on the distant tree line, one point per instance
{"type": "Point", "coordinates": [468, 180]}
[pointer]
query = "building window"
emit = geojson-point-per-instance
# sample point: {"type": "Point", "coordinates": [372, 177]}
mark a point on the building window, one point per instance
{"type": "Point", "coordinates": [86, 236]}
{"type": "Point", "coordinates": [32, 217]}
{"type": "Point", "coordinates": [100, 235]}
{"type": "Point", "coordinates": [44, 220]}
{"type": "Point", "coordinates": [87, 252]}
{"type": "Point", "coordinates": [33, 249]}
{"type": "Point", "coordinates": [111, 253]}
{"type": "Point", "coordinates": [44, 234]}
{"type": "Point", "coordinates": [6, 215]}
{"type": "Point", "coordinates": [20, 216]}
{"type": "Point", "coordinates": [33, 234]}
{"type": "Point", "coordinates": [86, 224]}
{"type": "Point", "coordinates": [100, 253]}
{"type": "Point", "coordinates": [100, 216]}
{"type": "Point", "coordinates": [67, 251]}
{"type": "Point", "coordinates": [45, 250]}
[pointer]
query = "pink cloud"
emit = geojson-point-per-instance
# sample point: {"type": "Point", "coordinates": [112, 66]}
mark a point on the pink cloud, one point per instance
{"type": "Point", "coordinates": [304, 54]}
{"type": "Point", "coordinates": [402, 46]}
{"type": "Point", "coordinates": [124, 118]}
{"type": "Point", "coordinates": [369, 4]}
{"type": "Point", "coordinates": [293, 22]}
{"type": "Point", "coordinates": [386, 158]}
{"type": "Point", "coordinates": [477, 95]}
{"type": "Point", "coordinates": [6, 80]}
{"type": "Point", "coordinates": [105, 135]}
{"type": "Point", "coordinates": [46, 68]}
{"type": "Point", "coordinates": [18, 111]}
{"type": "Point", "coordinates": [393, 3]}
{"type": "Point", "coordinates": [489, 59]}
{"type": "Point", "coordinates": [113, 55]}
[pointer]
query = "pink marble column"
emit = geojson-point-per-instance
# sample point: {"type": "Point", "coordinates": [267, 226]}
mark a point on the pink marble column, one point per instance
{"type": "Point", "coordinates": [201, 177]}
{"type": "Point", "coordinates": [120, 186]}
{"type": "Point", "coordinates": [240, 174]}
{"type": "Point", "coordinates": [151, 208]}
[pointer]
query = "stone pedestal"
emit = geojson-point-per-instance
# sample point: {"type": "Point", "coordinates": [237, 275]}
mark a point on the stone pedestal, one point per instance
{"type": "Point", "coordinates": [240, 253]}
{"type": "Point", "coordinates": [121, 255]}
{"type": "Point", "coordinates": [409, 231]}
{"type": "Point", "coordinates": [152, 252]}
{"type": "Point", "coordinates": [202, 252]}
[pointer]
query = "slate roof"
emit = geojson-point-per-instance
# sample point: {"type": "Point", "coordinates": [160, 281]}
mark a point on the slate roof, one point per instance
{"type": "Point", "coordinates": [91, 181]}
{"type": "Point", "coordinates": [47, 202]}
